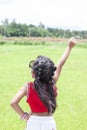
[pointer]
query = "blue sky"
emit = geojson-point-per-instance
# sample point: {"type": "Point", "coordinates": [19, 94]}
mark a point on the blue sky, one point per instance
{"type": "Point", "coordinates": [52, 13]}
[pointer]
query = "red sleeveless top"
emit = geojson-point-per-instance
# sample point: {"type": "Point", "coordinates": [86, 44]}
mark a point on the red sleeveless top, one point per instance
{"type": "Point", "coordinates": [34, 101]}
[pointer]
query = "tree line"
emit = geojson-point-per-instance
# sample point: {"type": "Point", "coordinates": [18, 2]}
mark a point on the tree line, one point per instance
{"type": "Point", "coordinates": [14, 29]}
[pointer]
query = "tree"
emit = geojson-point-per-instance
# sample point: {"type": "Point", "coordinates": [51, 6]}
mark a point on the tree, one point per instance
{"type": "Point", "coordinates": [18, 29]}
{"type": "Point", "coordinates": [68, 33]}
{"type": "Point", "coordinates": [41, 25]}
{"type": "Point", "coordinates": [5, 24]}
{"type": "Point", "coordinates": [33, 32]}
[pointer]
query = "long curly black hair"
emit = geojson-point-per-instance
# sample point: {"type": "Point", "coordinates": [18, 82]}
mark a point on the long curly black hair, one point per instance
{"type": "Point", "coordinates": [44, 69]}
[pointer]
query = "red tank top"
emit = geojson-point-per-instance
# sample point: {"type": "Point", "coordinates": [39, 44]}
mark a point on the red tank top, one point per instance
{"type": "Point", "coordinates": [34, 100]}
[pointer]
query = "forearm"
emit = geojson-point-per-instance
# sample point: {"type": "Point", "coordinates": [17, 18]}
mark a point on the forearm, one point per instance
{"type": "Point", "coordinates": [17, 108]}
{"type": "Point", "coordinates": [64, 56]}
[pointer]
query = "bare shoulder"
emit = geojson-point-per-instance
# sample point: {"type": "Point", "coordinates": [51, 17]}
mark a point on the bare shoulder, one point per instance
{"type": "Point", "coordinates": [25, 88]}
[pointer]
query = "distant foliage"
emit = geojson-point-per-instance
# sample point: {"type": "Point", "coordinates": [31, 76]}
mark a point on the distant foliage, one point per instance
{"type": "Point", "coordinates": [15, 29]}
{"type": "Point", "coordinates": [33, 43]}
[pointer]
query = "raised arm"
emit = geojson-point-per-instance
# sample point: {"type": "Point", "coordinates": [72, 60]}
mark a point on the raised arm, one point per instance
{"type": "Point", "coordinates": [71, 43]}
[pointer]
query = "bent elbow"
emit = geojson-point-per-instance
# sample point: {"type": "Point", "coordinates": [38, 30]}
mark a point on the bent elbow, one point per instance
{"type": "Point", "coordinates": [12, 104]}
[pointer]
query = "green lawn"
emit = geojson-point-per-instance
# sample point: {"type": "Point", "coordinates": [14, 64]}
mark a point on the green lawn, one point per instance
{"type": "Point", "coordinates": [71, 113]}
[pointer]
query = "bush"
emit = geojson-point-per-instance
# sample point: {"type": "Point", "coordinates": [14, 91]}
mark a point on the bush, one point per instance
{"type": "Point", "coordinates": [2, 42]}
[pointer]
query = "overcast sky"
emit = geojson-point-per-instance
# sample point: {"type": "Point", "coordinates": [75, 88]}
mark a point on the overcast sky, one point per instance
{"type": "Point", "coordinates": [52, 13]}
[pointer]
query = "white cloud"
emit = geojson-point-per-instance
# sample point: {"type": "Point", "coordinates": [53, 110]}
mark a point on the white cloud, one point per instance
{"type": "Point", "coordinates": [49, 12]}
{"type": "Point", "coordinates": [6, 2]}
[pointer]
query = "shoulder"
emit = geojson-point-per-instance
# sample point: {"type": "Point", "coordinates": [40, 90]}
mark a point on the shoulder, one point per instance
{"type": "Point", "coordinates": [27, 87]}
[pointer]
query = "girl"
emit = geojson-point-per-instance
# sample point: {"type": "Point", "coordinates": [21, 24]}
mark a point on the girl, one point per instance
{"type": "Point", "coordinates": [41, 94]}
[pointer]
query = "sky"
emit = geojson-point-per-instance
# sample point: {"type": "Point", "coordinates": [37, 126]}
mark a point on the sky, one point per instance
{"type": "Point", "coordinates": [68, 14]}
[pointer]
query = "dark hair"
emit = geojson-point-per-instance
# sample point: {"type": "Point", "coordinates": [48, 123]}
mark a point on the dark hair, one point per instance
{"type": "Point", "coordinates": [44, 69]}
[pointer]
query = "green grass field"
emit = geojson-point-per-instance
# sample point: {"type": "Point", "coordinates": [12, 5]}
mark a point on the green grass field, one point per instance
{"type": "Point", "coordinates": [71, 113]}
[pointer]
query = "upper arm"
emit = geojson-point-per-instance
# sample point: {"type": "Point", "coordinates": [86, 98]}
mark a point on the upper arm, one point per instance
{"type": "Point", "coordinates": [57, 73]}
{"type": "Point", "coordinates": [19, 95]}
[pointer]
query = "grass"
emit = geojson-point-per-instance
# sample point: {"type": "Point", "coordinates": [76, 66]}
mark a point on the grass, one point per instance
{"type": "Point", "coordinates": [71, 113]}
